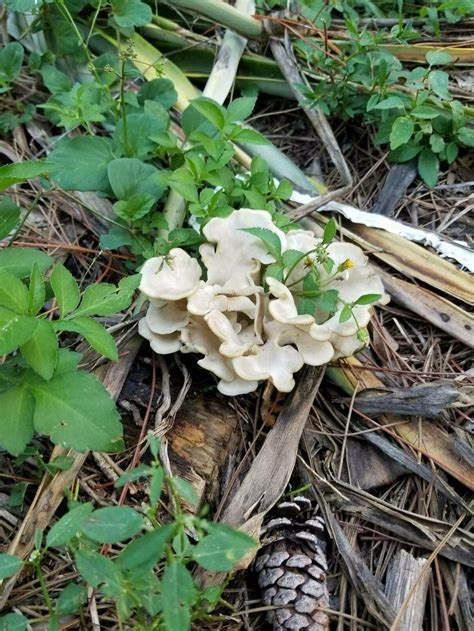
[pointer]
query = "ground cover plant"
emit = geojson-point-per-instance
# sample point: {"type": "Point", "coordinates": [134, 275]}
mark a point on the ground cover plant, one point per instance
{"type": "Point", "coordinates": [130, 202]}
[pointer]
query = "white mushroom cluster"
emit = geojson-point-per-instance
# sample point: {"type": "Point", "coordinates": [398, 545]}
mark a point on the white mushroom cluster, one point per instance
{"type": "Point", "coordinates": [246, 325]}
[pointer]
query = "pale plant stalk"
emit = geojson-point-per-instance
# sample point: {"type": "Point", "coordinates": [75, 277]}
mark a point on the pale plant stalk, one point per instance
{"type": "Point", "coordinates": [224, 14]}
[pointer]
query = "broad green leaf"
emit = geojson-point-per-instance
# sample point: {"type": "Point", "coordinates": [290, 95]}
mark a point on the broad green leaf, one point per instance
{"type": "Point", "coordinates": [130, 13]}
{"type": "Point", "coordinates": [402, 131]}
{"type": "Point", "coordinates": [134, 208]}
{"type": "Point", "coordinates": [16, 424]}
{"type": "Point", "coordinates": [424, 112]}
{"type": "Point", "coordinates": [306, 306]}
{"type": "Point", "coordinates": [185, 490]}
{"type": "Point", "coordinates": [13, 622]}
{"type": "Point", "coordinates": [9, 216]}
{"type": "Point", "coordinates": [466, 136]}
{"type": "Point", "coordinates": [68, 526]}
{"type": "Point", "coordinates": [330, 231]}
{"type": "Point", "coordinates": [11, 59]}
{"type": "Point", "coordinates": [24, 6]}
{"type": "Point", "coordinates": [17, 172]}
{"type": "Point", "coordinates": [367, 299]}
{"type": "Point", "coordinates": [71, 599]}
{"type": "Point", "coordinates": [99, 572]}
{"type": "Point", "coordinates": [222, 548]}
{"type": "Point", "coordinates": [327, 300]}
{"type": "Point", "coordinates": [141, 129]}
{"type": "Point", "coordinates": [20, 261]}
{"type": "Point", "coordinates": [240, 109]}
{"type": "Point", "coordinates": [345, 314]}
{"type": "Point", "coordinates": [54, 79]}
{"type": "Point", "coordinates": [250, 136]}
{"type": "Point", "coordinates": [160, 90]}
{"type": "Point", "coordinates": [41, 350]}
{"type": "Point", "coordinates": [211, 110]}
{"type": "Point", "coordinates": [113, 524]}
{"type": "Point", "coordinates": [438, 57]}
{"type": "Point", "coordinates": [80, 163]}
{"type": "Point", "coordinates": [75, 410]}
{"type": "Point", "coordinates": [36, 291]}
{"type": "Point", "coordinates": [9, 564]}
{"type": "Point", "coordinates": [428, 167]}
{"type": "Point", "coordinates": [66, 290]}
{"type": "Point", "coordinates": [405, 152]}
{"type": "Point", "coordinates": [116, 238]}
{"type": "Point", "coordinates": [437, 143]}
{"type": "Point", "coordinates": [292, 257]}
{"type": "Point", "coordinates": [177, 595]}
{"type": "Point", "coordinates": [13, 293]}
{"type": "Point", "coordinates": [439, 83]}
{"type": "Point", "coordinates": [391, 102]}
{"type": "Point", "coordinates": [129, 176]}
{"type": "Point", "coordinates": [451, 152]}
{"type": "Point", "coordinates": [156, 486]}
{"type": "Point", "coordinates": [94, 332]}
{"type": "Point", "coordinates": [270, 239]}
{"type": "Point", "coordinates": [15, 330]}
{"type": "Point", "coordinates": [146, 550]}
{"type": "Point", "coordinates": [104, 299]}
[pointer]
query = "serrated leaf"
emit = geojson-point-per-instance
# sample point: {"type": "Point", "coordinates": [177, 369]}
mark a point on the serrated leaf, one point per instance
{"type": "Point", "coordinates": [452, 152]}
{"type": "Point", "coordinates": [15, 330]}
{"type": "Point", "coordinates": [112, 524]}
{"type": "Point", "coordinates": [36, 291]}
{"type": "Point", "coordinates": [41, 350]}
{"type": "Point", "coordinates": [20, 261]}
{"type": "Point", "coordinates": [291, 258]}
{"type": "Point", "coordinates": [75, 410]}
{"type": "Point", "coordinates": [16, 425]}
{"type": "Point", "coordinates": [13, 293]}
{"type": "Point", "coordinates": [270, 239]}
{"type": "Point", "coordinates": [94, 332]}
{"type": "Point", "coordinates": [17, 172]}
{"type": "Point", "coordinates": [131, 13]}
{"type": "Point", "coordinates": [70, 525]}
{"type": "Point", "coordinates": [177, 594]}
{"type": "Point", "coordinates": [9, 565]}
{"type": "Point", "coordinates": [402, 131]}
{"type": "Point", "coordinates": [391, 102]}
{"type": "Point", "coordinates": [222, 548]}
{"type": "Point", "coordinates": [330, 231]}
{"type": "Point", "coordinates": [103, 299]}
{"type": "Point", "coordinates": [466, 136]}
{"type": "Point", "coordinates": [428, 167]}
{"type": "Point", "coordinates": [439, 82]}
{"type": "Point", "coordinates": [66, 290]}
{"type": "Point", "coordinates": [99, 572]}
{"type": "Point", "coordinates": [345, 314]}
{"type": "Point", "coordinates": [72, 597]}
{"type": "Point", "coordinates": [9, 216]}
{"type": "Point", "coordinates": [147, 550]}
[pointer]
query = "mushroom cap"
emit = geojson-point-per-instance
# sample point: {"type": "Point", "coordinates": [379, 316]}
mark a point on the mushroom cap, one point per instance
{"type": "Point", "coordinates": [313, 352]}
{"type": "Point", "coordinates": [172, 277]}
{"type": "Point", "coordinates": [161, 344]}
{"type": "Point", "coordinates": [234, 343]}
{"type": "Point", "coordinates": [237, 386]}
{"type": "Point", "coordinates": [166, 317]}
{"type": "Point", "coordinates": [207, 298]}
{"type": "Point", "coordinates": [198, 338]}
{"type": "Point", "coordinates": [236, 258]}
{"type": "Point", "coordinates": [283, 308]}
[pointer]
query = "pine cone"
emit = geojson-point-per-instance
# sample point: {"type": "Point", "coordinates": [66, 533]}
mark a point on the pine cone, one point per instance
{"type": "Point", "coordinates": [291, 568]}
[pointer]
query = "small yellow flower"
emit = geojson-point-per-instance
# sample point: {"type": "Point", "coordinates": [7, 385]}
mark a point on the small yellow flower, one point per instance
{"type": "Point", "coordinates": [347, 264]}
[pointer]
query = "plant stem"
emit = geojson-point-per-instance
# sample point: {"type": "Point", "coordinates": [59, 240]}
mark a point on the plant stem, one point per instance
{"type": "Point", "coordinates": [31, 207]}
{"type": "Point", "coordinates": [44, 587]}
{"type": "Point", "coordinates": [224, 14]}
{"type": "Point", "coordinates": [128, 149]}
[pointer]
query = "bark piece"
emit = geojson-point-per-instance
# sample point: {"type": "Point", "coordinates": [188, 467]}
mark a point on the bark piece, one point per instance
{"type": "Point", "coordinates": [403, 573]}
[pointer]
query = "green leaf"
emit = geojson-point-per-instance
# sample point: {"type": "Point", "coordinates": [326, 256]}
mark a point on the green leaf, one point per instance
{"type": "Point", "coordinates": [140, 130]}
{"type": "Point", "coordinates": [41, 350]}
{"type": "Point", "coordinates": [306, 306]}
{"type": "Point", "coordinates": [424, 112]}
{"type": "Point", "coordinates": [177, 595]}
{"type": "Point", "coordinates": [69, 526]}
{"type": "Point", "coordinates": [222, 548]}
{"type": "Point", "coordinates": [160, 90]}
{"type": "Point", "coordinates": [211, 110]}
{"type": "Point", "coordinates": [402, 131]}
{"type": "Point", "coordinates": [428, 167]}
{"type": "Point", "coordinates": [113, 524]}
{"type": "Point", "coordinates": [9, 565]}
{"type": "Point", "coordinates": [240, 109]}
{"type": "Point", "coordinates": [54, 79]}
{"type": "Point", "coordinates": [185, 490]}
{"type": "Point", "coordinates": [466, 136]}
{"type": "Point", "coordinates": [9, 216]}
{"type": "Point", "coordinates": [99, 572]}
{"type": "Point", "coordinates": [391, 102]}
{"type": "Point", "coordinates": [367, 299]}
{"type": "Point", "coordinates": [71, 599]}
{"type": "Point", "coordinates": [116, 238]}
{"type": "Point", "coordinates": [439, 82]}
{"type": "Point", "coordinates": [134, 208]}
{"type": "Point", "coordinates": [345, 314]}
{"type": "Point", "coordinates": [437, 143]}
{"type": "Point", "coordinates": [147, 550]}
{"type": "Point", "coordinates": [80, 163]}
{"type": "Point", "coordinates": [15, 330]}
{"type": "Point", "coordinates": [292, 257]}
{"type": "Point", "coordinates": [327, 300]}
{"type": "Point", "coordinates": [36, 291]}
{"type": "Point", "coordinates": [66, 290]}
{"type": "Point", "coordinates": [16, 424]}
{"type": "Point", "coordinates": [330, 231]}
{"type": "Point", "coordinates": [13, 293]}
{"type": "Point", "coordinates": [17, 172]}
{"type": "Point", "coordinates": [275, 270]}
{"type": "Point", "coordinates": [142, 471]}
{"type": "Point", "coordinates": [130, 13]}
{"type": "Point", "coordinates": [405, 152]}
{"type": "Point", "coordinates": [156, 486]}
{"type": "Point", "coordinates": [129, 177]}
{"type": "Point", "coordinates": [104, 299]}
{"type": "Point", "coordinates": [250, 136]}
{"type": "Point", "coordinates": [20, 261]}
{"type": "Point", "coordinates": [94, 332]}
{"type": "Point", "coordinates": [451, 152]}
{"type": "Point", "coordinates": [13, 622]}
{"type": "Point", "coordinates": [438, 57]}
{"type": "Point", "coordinates": [11, 59]}
{"type": "Point", "coordinates": [270, 239]}
{"type": "Point", "coordinates": [75, 410]}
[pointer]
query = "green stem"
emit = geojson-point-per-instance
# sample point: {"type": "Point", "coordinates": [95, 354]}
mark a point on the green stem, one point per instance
{"type": "Point", "coordinates": [128, 149]}
{"type": "Point", "coordinates": [44, 587]}
{"type": "Point", "coordinates": [224, 14]}
{"type": "Point", "coordinates": [23, 221]}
